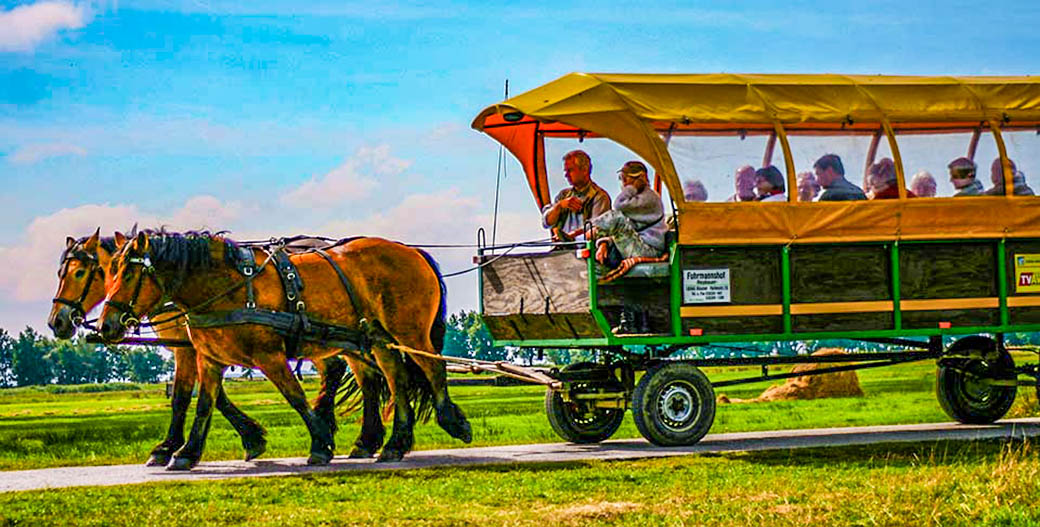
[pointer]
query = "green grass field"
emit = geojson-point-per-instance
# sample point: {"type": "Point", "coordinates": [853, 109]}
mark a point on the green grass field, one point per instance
{"type": "Point", "coordinates": [943, 483]}
{"type": "Point", "coordinates": [43, 429]}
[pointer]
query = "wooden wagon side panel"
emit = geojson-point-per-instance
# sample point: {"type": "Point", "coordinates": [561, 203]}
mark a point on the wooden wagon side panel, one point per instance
{"type": "Point", "coordinates": [957, 270]}
{"type": "Point", "coordinates": [755, 282]}
{"type": "Point", "coordinates": [823, 274]}
{"type": "Point", "coordinates": [537, 296]}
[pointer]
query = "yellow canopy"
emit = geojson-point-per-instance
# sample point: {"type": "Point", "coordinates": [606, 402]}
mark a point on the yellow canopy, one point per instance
{"type": "Point", "coordinates": [635, 110]}
{"type": "Point", "coordinates": [632, 109]}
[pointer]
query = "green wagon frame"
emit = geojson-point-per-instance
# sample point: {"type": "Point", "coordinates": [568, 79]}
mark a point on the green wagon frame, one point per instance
{"type": "Point", "coordinates": [905, 272]}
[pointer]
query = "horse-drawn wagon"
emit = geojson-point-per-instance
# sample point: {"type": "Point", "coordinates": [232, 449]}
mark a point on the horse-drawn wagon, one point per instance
{"type": "Point", "coordinates": [910, 272]}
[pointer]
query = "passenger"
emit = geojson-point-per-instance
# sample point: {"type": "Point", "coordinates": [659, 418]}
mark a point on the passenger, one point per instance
{"type": "Point", "coordinates": [769, 183]}
{"type": "Point", "coordinates": [883, 181]}
{"type": "Point", "coordinates": [745, 183]}
{"type": "Point", "coordinates": [636, 226]}
{"type": "Point", "coordinates": [923, 184]}
{"type": "Point", "coordinates": [831, 175]}
{"type": "Point", "coordinates": [573, 206]}
{"type": "Point", "coordinates": [962, 175]}
{"type": "Point", "coordinates": [693, 190]}
{"type": "Point", "coordinates": [808, 188]}
{"type": "Point", "coordinates": [996, 175]}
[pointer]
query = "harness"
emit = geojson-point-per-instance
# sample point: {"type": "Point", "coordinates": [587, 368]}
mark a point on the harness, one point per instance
{"type": "Point", "coordinates": [294, 325]}
{"type": "Point", "coordinates": [78, 313]}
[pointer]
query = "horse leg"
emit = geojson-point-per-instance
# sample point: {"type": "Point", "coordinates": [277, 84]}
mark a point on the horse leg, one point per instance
{"type": "Point", "coordinates": [403, 437]}
{"type": "Point", "coordinates": [332, 371]}
{"type": "Point", "coordinates": [449, 415]}
{"type": "Point", "coordinates": [211, 374]}
{"type": "Point", "coordinates": [370, 440]}
{"type": "Point", "coordinates": [183, 383]}
{"type": "Point", "coordinates": [252, 433]}
{"type": "Point", "coordinates": [277, 371]}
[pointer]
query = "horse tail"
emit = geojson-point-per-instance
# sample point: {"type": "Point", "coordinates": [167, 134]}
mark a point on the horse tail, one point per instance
{"type": "Point", "coordinates": [419, 392]}
{"type": "Point", "coordinates": [440, 326]}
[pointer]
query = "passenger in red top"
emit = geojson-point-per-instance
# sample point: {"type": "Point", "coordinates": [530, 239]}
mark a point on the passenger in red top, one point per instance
{"type": "Point", "coordinates": [883, 181]}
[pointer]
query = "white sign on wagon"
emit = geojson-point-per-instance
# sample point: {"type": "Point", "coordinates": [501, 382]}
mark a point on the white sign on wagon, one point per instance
{"type": "Point", "coordinates": [705, 286]}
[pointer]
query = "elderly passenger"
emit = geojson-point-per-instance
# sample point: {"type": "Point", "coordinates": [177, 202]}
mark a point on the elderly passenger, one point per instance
{"type": "Point", "coordinates": [831, 175]}
{"type": "Point", "coordinates": [694, 190]}
{"type": "Point", "coordinates": [808, 187]}
{"type": "Point", "coordinates": [769, 184]}
{"type": "Point", "coordinates": [996, 175]}
{"type": "Point", "coordinates": [883, 181]}
{"type": "Point", "coordinates": [636, 226]}
{"type": "Point", "coordinates": [745, 184]}
{"type": "Point", "coordinates": [575, 205]}
{"type": "Point", "coordinates": [962, 176]}
{"type": "Point", "coordinates": [923, 184]}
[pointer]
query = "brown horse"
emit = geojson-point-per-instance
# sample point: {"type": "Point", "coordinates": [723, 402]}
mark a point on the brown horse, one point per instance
{"type": "Point", "coordinates": [82, 275]}
{"type": "Point", "coordinates": [395, 295]}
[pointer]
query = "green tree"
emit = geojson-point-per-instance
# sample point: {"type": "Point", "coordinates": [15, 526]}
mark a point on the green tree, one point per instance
{"type": "Point", "coordinates": [145, 364]}
{"type": "Point", "coordinates": [29, 362]}
{"type": "Point", "coordinates": [70, 362]}
{"type": "Point", "coordinates": [7, 345]}
{"type": "Point", "coordinates": [468, 337]}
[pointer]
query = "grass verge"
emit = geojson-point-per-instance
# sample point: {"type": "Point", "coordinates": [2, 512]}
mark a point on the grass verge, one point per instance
{"type": "Point", "coordinates": [944, 483]}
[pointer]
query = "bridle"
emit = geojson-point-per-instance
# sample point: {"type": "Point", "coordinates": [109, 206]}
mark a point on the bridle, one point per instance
{"type": "Point", "coordinates": [128, 316]}
{"type": "Point", "coordinates": [78, 313]}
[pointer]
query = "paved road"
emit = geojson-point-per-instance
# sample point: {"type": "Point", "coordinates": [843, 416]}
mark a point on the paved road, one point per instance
{"type": "Point", "coordinates": [552, 452]}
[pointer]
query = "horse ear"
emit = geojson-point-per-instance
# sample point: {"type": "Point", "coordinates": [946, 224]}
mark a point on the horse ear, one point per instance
{"type": "Point", "coordinates": [120, 240]}
{"type": "Point", "coordinates": [141, 243]}
{"type": "Point", "coordinates": [133, 231]}
{"type": "Point", "coordinates": [69, 242]}
{"type": "Point", "coordinates": [92, 242]}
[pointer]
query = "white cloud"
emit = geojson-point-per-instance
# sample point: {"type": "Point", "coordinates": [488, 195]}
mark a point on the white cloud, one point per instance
{"type": "Point", "coordinates": [353, 180]}
{"type": "Point", "coordinates": [25, 27]}
{"type": "Point", "coordinates": [31, 154]}
{"type": "Point", "coordinates": [30, 266]}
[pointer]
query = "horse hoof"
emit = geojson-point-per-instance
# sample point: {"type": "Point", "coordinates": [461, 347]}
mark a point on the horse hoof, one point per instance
{"type": "Point", "coordinates": [360, 453]}
{"type": "Point", "coordinates": [158, 460]}
{"type": "Point", "coordinates": [255, 451]}
{"type": "Point", "coordinates": [181, 464]}
{"type": "Point", "coordinates": [319, 458]}
{"type": "Point", "coordinates": [390, 456]}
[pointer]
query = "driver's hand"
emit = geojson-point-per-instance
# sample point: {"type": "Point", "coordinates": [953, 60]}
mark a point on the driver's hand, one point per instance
{"type": "Point", "coordinates": [601, 252]}
{"type": "Point", "coordinates": [572, 204]}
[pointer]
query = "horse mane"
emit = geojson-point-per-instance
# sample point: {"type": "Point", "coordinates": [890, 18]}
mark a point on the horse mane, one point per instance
{"type": "Point", "coordinates": [188, 251]}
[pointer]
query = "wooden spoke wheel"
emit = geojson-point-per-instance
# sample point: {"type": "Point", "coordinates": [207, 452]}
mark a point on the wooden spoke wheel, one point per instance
{"type": "Point", "coordinates": [579, 421]}
{"type": "Point", "coordinates": [673, 405]}
{"type": "Point", "coordinates": [960, 382]}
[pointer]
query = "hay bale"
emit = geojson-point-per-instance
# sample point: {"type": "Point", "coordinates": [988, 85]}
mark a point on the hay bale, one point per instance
{"type": "Point", "coordinates": [840, 384]}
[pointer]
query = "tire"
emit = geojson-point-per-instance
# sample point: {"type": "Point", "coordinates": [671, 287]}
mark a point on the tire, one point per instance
{"type": "Point", "coordinates": [578, 422]}
{"type": "Point", "coordinates": [961, 396]}
{"type": "Point", "coordinates": [674, 405]}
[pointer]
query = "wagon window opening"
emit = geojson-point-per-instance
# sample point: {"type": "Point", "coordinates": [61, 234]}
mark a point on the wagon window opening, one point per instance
{"type": "Point", "coordinates": [854, 151]}
{"type": "Point", "coordinates": [607, 158]}
{"type": "Point", "coordinates": [947, 157]}
{"type": "Point", "coordinates": [1023, 149]}
{"type": "Point", "coordinates": [708, 165]}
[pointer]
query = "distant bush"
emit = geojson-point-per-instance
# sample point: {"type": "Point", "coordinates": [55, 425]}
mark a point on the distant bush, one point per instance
{"type": "Point", "coordinates": [73, 388]}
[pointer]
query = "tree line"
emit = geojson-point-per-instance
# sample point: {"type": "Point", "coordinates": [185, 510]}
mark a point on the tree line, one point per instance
{"type": "Point", "coordinates": [32, 359]}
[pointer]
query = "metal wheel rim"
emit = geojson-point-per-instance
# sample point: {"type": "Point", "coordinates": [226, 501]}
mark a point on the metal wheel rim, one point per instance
{"type": "Point", "coordinates": [584, 418]}
{"type": "Point", "coordinates": [972, 389]}
{"type": "Point", "coordinates": [678, 406]}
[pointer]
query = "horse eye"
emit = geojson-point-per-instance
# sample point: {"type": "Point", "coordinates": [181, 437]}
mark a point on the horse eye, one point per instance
{"type": "Point", "coordinates": [79, 273]}
{"type": "Point", "coordinates": [129, 271]}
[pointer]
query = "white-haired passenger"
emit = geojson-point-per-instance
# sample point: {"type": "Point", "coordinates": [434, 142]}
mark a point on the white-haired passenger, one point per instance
{"type": "Point", "coordinates": [996, 175]}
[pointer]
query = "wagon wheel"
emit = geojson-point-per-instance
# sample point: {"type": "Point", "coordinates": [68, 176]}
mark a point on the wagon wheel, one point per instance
{"type": "Point", "coordinates": [674, 405]}
{"type": "Point", "coordinates": [580, 422]}
{"type": "Point", "coordinates": [959, 383]}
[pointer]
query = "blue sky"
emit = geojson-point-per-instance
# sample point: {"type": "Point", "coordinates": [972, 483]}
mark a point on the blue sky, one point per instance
{"type": "Point", "coordinates": [344, 118]}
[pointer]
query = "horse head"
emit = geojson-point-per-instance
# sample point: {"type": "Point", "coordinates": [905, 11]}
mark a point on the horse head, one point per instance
{"type": "Point", "coordinates": [82, 274]}
{"type": "Point", "coordinates": [133, 289]}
